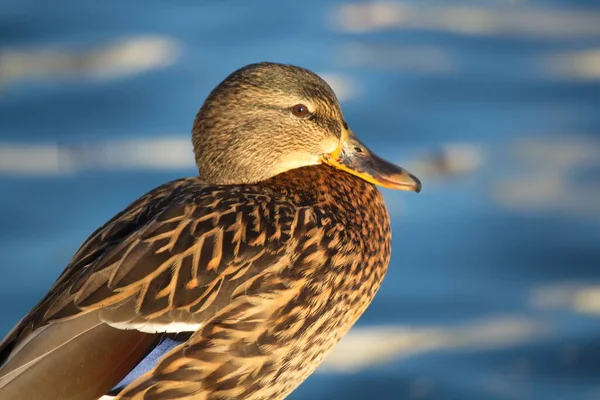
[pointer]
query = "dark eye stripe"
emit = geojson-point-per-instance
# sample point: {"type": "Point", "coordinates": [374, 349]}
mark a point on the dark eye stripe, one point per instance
{"type": "Point", "coordinates": [330, 124]}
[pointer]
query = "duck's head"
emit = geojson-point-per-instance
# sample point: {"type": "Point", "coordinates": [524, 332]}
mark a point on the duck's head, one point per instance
{"type": "Point", "coordinates": [267, 118]}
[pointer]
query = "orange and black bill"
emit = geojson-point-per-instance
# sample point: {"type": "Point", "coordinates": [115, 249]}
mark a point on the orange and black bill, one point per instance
{"type": "Point", "coordinates": [355, 158]}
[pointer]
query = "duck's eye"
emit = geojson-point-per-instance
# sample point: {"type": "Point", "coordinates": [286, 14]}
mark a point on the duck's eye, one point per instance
{"type": "Point", "coordinates": [300, 110]}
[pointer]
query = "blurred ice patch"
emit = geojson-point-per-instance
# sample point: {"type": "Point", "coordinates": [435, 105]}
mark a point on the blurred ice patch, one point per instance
{"type": "Point", "coordinates": [558, 152]}
{"type": "Point", "coordinates": [122, 58]}
{"type": "Point", "coordinates": [423, 59]}
{"type": "Point", "coordinates": [365, 347]}
{"type": "Point", "coordinates": [344, 86]}
{"type": "Point", "coordinates": [449, 160]}
{"type": "Point", "coordinates": [548, 193]}
{"type": "Point", "coordinates": [584, 64]}
{"type": "Point", "coordinates": [501, 20]}
{"type": "Point", "coordinates": [35, 159]}
{"type": "Point", "coordinates": [579, 297]}
{"type": "Point", "coordinates": [48, 159]}
{"type": "Point", "coordinates": [549, 181]}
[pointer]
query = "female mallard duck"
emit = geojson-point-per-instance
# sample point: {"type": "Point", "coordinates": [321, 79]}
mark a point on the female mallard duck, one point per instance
{"type": "Point", "coordinates": [230, 285]}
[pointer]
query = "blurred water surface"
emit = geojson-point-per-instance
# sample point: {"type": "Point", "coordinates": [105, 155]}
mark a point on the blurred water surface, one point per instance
{"type": "Point", "coordinates": [493, 291]}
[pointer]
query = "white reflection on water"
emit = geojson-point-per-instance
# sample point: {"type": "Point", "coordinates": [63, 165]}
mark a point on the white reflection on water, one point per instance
{"type": "Point", "coordinates": [49, 159]}
{"type": "Point", "coordinates": [344, 86]}
{"type": "Point", "coordinates": [122, 58]}
{"type": "Point", "coordinates": [449, 160]}
{"type": "Point", "coordinates": [580, 297]}
{"type": "Point", "coordinates": [547, 181]}
{"type": "Point", "coordinates": [366, 347]}
{"type": "Point", "coordinates": [582, 65]}
{"type": "Point", "coordinates": [524, 21]}
{"type": "Point", "coordinates": [422, 59]}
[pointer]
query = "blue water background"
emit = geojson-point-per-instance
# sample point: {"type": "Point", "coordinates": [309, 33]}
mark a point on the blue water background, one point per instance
{"type": "Point", "coordinates": [459, 255]}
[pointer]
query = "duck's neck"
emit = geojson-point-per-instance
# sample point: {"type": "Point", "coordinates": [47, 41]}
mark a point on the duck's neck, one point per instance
{"type": "Point", "coordinates": [323, 184]}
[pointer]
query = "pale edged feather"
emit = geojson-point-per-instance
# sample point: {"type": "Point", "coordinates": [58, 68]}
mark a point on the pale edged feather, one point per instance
{"type": "Point", "coordinates": [79, 359]}
{"type": "Point", "coordinates": [162, 265]}
{"type": "Point", "coordinates": [153, 327]}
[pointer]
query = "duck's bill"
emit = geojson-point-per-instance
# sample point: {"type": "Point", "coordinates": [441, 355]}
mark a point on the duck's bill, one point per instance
{"type": "Point", "coordinates": [355, 158]}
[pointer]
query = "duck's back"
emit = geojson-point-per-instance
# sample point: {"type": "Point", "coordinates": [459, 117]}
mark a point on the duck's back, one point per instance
{"type": "Point", "coordinates": [270, 276]}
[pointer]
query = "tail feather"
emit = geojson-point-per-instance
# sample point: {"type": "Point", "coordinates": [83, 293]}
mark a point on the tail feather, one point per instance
{"type": "Point", "coordinates": [78, 359]}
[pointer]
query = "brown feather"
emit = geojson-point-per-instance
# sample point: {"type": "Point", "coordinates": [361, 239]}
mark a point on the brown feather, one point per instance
{"type": "Point", "coordinates": [271, 329]}
{"type": "Point", "coordinates": [272, 266]}
{"type": "Point", "coordinates": [275, 287]}
{"type": "Point", "coordinates": [79, 359]}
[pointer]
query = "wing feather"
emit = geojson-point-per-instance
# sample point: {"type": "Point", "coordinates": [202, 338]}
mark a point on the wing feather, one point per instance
{"type": "Point", "coordinates": [174, 257]}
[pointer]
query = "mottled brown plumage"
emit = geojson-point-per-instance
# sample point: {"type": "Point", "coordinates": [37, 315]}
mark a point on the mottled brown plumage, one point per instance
{"type": "Point", "coordinates": [265, 267]}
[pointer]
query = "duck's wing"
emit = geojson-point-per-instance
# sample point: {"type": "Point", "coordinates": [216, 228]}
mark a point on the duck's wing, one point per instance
{"type": "Point", "coordinates": [42, 357]}
{"type": "Point", "coordinates": [167, 263]}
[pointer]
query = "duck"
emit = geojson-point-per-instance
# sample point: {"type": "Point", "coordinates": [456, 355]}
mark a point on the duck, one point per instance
{"type": "Point", "coordinates": [231, 284]}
